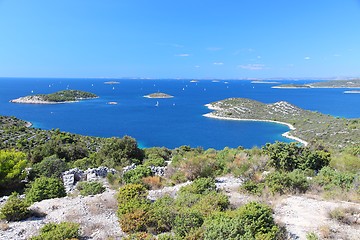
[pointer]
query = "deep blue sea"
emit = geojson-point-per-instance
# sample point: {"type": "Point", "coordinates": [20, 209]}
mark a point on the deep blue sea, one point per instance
{"type": "Point", "coordinates": [174, 122]}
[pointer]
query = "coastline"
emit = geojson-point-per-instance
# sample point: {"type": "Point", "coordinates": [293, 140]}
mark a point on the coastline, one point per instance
{"type": "Point", "coordinates": [286, 134]}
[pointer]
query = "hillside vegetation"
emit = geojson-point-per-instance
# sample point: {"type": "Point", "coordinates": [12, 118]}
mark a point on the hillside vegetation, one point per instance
{"type": "Point", "coordinates": [32, 163]}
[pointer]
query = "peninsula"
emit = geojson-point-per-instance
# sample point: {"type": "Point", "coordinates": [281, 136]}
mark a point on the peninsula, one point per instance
{"type": "Point", "coordinates": [305, 126]}
{"type": "Point", "coordinates": [64, 96]}
{"type": "Point", "coordinates": [158, 95]}
{"type": "Point", "coordinates": [354, 83]}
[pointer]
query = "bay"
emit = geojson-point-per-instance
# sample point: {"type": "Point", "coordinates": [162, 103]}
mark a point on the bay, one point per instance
{"type": "Point", "coordinates": [172, 122]}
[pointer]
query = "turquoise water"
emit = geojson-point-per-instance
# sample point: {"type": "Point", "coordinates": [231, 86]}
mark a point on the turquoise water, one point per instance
{"type": "Point", "coordinates": [174, 122]}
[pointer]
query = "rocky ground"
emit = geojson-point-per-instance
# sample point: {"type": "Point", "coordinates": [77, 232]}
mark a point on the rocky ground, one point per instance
{"type": "Point", "coordinates": [97, 214]}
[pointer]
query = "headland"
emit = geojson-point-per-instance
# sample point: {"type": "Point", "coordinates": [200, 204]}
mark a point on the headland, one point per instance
{"type": "Point", "coordinates": [305, 126]}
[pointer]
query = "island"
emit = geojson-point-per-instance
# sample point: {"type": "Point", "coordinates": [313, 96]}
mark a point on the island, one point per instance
{"type": "Point", "coordinates": [353, 91]}
{"type": "Point", "coordinates": [111, 82]}
{"type": "Point", "coordinates": [354, 83]}
{"type": "Point", "coordinates": [158, 95]}
{"type": "Point", "coordinates": [305, 126]}
{"type": "Point", "coordinates": [64, 96]}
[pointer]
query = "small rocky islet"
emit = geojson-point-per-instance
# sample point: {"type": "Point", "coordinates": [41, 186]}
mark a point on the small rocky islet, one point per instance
{"type": "Point", "coordinates": [158, 95]}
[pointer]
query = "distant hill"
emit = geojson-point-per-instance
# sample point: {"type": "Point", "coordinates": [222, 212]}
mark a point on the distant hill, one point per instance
{"type": "Point", "coordinates": [355, 83]}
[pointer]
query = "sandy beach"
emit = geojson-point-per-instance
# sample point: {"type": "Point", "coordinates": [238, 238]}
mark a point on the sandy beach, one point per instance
{"type": "Point", "coordinates": [286, 134]}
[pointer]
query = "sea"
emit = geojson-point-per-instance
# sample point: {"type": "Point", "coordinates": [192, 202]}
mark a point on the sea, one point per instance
{"type": "Point", "coordinates": [171, 122]}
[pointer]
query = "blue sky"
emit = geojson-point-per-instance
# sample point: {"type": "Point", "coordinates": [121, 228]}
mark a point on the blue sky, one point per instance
{"type": "Point", "coordinates": [231, 39]}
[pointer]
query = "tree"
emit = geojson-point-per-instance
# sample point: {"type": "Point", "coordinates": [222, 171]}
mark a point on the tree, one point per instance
{"type": "Point", "coordinates": [50, 167]}
{"type": "Point", "coordinates": [121, 152]}
{"type": "Point", "coordinates": [12, 166]}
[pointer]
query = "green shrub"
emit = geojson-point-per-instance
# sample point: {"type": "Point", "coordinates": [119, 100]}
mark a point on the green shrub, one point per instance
{"type": "Point", "coordinates": [114, 180]}
{"type": "Point", "coordinates": [290, 156]}
{"type": "Point", "coordinates": [311, 236]}
{"type": "Point", "coordinates": [199, 186]}
{"type": "Point", "coordinates": [132, 197]}
{"type": "Point", "coordinates": [211, 202]}
{"type": "Point", "coordinates": [45, 188]}
{"type": "Point", "coordinates": [49, 167]}
{"type": "Point", "coordinates": [187, 221]}
{"type": "Point", "coordinates": [283, 182]}
{"type": "Point", "coordinates": [154, 162]}
{"type": "Point", "coordinates": [12, 166]}
{"type": "Point", "coordinates": [135, 175]}
{"type": "Point", "coordinates": [120, 152]}
{"type": "Point", "coordinates": [330, 179]}
{"type": "Point", "coordinates": [253, 187]}
{"type": "Point", "coordinates": [90, 188]}
{"type": "Point", "coordinates": [58, 231]}
{"type": "Point", "coordinates": [250, 221]}
{"type": "Point", "coordinates": [161, 215]}
{"type": "Point", "coordinates": [15, 209]}
{"type": "Point", "coordinates": [345, 162]}
{"type": "Point", "coordinates": [156, 156]}
{"type": "Point", "coordinates": [139, 236]}
{"type": "Point", "coordinates": [167, 236]}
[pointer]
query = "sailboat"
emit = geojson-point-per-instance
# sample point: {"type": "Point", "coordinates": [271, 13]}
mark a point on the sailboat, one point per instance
{"type": "Point", "coordinates": [157, 104]}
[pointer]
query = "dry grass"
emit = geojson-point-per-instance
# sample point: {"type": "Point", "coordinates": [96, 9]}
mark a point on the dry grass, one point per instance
{"type": "Point", "coordinates": [325, 232]}
{"type": "Point", "coordinates": [154, 182]}
{"type": "Point", "coordinates": [349, 216]}
{"type": "Point", "coordinates": [4, 226]}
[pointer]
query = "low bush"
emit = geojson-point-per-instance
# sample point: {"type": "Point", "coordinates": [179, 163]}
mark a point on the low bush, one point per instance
{"type": "Point", "coordinates": [199, 186]}
{"type": "Point", "coordinates": [132, 197]}
{"type": "Point", "coordinates": [290, 156]}
{"type": "Point", "coordinates": [114, 180]}
{"type": "Point", "coordinates": [187, 221]}
{"type": "Point", "coordinates": [58, 231]}
{"type": "Point", "coordinates": [140, 236]}
{"type": "Point", "coordinates": [250, 221]}
{"type": "Point", "coordinates": [45, 188]}
{"type": "Point", "coordinates": [90, 188]}
{"type": "Point", "coordinates": [312, 236]}
{"type": "Point", "coordinates": [283, 182]}
{"type": "Point", "coordinates": [134, 221]}
{"type": "Point", "coordinates": [15, 209]}
{"type": "Point", "coordinates": [330, 179]}
{"type": "Point", "coordinates": [211, 202]}
{"type": "Point", "coordinates": [161, 215]}
{"type": "Point", "coordinates": [252, 187]}
{"type": "Point", "coordinates": [137, 174]}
